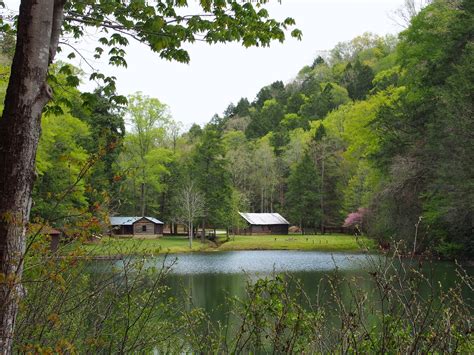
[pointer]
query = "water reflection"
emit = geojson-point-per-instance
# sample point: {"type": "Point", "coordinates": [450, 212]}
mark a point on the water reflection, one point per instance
{"type": "Point", "coordinates": [262, 262]}
{"type": "Point", "coordinates": [207, 280]}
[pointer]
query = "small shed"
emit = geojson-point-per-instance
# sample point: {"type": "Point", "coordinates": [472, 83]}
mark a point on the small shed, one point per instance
{"type": "Point", "coordinates": [45, 230]}
{"type": "Point", "coordinates": [136, 226]}
{"type": "Point", "coordinates": [265, 223]}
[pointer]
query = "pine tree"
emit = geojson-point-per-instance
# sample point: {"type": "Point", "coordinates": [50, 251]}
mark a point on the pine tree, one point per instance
{"type": "Point", "coordinates": [303, 197]}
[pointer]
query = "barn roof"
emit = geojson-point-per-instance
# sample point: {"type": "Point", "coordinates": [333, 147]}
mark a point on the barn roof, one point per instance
{"type": "Point", "coordinates": [128, 221]}
{"type": "Point", "coordinates": [262, 219]}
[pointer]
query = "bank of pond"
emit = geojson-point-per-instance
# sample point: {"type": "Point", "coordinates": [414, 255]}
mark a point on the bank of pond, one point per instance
{"type": "Point", "coordinates": [113, 246]}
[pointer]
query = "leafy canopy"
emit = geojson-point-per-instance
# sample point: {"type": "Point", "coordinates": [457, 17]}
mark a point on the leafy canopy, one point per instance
{"type": "Point", "coordinates": [167, 25]}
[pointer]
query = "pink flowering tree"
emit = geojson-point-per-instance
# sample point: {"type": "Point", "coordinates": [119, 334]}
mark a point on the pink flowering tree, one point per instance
{"type": "Point", "coordinates": [356, 219]}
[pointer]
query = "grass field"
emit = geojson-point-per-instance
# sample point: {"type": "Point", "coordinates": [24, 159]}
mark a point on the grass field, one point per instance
{"type": "Point", "coordinates": [330, 242]}
{"type": "Point", "coordinates": [125, 246]}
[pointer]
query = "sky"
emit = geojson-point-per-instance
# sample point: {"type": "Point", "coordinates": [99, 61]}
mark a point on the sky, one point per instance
{"type": "Point", "coordinates": [220, 74]}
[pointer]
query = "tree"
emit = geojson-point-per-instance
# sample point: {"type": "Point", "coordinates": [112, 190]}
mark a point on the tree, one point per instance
{"type": "Point", "coordinates": [145, 145]}
{"type": "Point", "coordinates": [60, 160]}
{"type": "Point", "coordinates": [238, 203]}
{"type": "Point", "coordinates": [266, 119]}
{"type": "Point", "coordinates": [325, 151]}
{"type": "Point", "coordinates": [265, 175]}
{"type": "Point", "coordinates": [107, 129]}
{"type": "Point", "coordinates": [239, 156]}
{"type": "Point", "coordinates": [191, 205]}
{"type": "Point", "coordinates": [325, 98]}
{"type": "Point", "coordinates": [39, 28]}
{"type": "Point", "coordinates": [212, 178]}
{"type": "Point", "coordinates": [409, 9]}
{"type": "Point", "coordinates": [358, 80]}
{"type": "Point", "coordinates": [303, 196]}
{"type": "Point", "coordinates": [426, 134]}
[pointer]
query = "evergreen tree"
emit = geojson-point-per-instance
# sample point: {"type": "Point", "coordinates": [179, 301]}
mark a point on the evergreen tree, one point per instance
{"type": "Point", "coordinates": [303, 196]}
{"type": "Point", "coordinates": [107, 128]}
{"type": "Point", "coordinates": [358, 79]}
{"type": "Point", "coordinates": [212, 177]}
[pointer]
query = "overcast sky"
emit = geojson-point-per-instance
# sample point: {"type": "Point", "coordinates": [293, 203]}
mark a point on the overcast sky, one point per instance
{"type": "Point", "coordinates": [220, 74]}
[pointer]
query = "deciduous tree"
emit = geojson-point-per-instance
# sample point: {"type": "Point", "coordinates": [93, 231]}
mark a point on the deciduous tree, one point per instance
{"type": "Point", "coordinates": [41, 23]}
{"type": "Point", "coordinates": [190, 203]}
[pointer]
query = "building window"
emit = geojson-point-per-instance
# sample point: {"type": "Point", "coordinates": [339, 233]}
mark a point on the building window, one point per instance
{"type": "Point", "coordinates": [143, 228]}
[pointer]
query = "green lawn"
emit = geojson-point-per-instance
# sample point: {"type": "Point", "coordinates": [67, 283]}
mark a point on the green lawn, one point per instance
{"type": "Point", "coordinates": [122, 246]}
{"type": "Point", "coordinates": [330, 242]}
{"type": "Point", "coordinates": [117, 246]}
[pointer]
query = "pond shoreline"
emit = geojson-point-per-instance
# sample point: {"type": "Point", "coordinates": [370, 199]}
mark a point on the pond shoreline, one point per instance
{"type": "Point", "coordinates": [115, 248]}
{"type": "Point", "coordinates": [119, 248]}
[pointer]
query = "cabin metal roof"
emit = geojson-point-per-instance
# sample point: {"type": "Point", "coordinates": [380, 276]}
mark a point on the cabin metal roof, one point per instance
{"type": "Point", "coordinates": [128, 221]}
{"type": "Point", "coordinates": [262, 219]}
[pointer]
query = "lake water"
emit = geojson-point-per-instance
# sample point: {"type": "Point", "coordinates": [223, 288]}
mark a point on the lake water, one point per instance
{"type": "Point", "coordinates": [209, 279]}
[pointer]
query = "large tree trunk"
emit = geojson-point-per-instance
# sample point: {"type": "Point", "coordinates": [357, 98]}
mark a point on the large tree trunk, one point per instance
{"type": "Point", "coordinates": [39, 25]}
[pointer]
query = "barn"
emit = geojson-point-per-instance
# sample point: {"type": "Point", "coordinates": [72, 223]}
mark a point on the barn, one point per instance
{"type": "Point", "coordinates": [265, 223]}
{"type": "Point", "coordinates": [136, 226]}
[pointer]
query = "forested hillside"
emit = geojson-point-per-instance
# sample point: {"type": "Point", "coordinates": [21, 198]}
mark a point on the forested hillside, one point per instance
{"type": "Point", "coordinates": [379, 132]}
{"type": "Point", "coordinates": [377, 135]}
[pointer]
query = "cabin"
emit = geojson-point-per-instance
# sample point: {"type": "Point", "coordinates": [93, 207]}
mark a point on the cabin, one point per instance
{"type": "Point", "coordinates": [265, 223]}
{"type": "Point", "coordinates": [136, 226]}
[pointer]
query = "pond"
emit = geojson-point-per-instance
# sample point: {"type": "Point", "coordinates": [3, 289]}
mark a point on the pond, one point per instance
{"type": "Point", "coordinates": [209, 279]}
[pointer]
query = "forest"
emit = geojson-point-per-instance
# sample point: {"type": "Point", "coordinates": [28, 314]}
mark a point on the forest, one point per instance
{"type": "Point", "coordinates": [373, 138]}
{"type": "Point", "coordinates": [376, 134]}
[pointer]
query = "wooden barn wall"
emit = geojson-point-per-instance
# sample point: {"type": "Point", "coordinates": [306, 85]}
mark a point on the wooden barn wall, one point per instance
{"type": "Point", "coordinates": [122, 230]}
{"type": "Point", "coordinates": [138, 227]}
{"type": "Point", "coordinates": [271, 229]}
{"type": "Point", "coordinates": [259, 229]}
{"type": "Point", "coordinates": [158, 229]}
{"type": "Point", "coordinates": [279, 229]}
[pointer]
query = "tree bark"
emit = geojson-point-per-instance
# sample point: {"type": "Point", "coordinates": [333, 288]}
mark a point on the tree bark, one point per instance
{"type": "Point", "coordinates": [39, 26]}
{"type": "Point", "coordinates": [203, 231]}
{"type": "Point", "coordinates": [190, 235]}
{"type": "Point", "coordinates": [142, 200]}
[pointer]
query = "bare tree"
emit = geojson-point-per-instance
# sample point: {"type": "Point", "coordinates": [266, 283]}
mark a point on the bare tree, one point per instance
{"type": "Point", "coordinates": [174, 129]}
{"type": "Point", "coordinates": [190, 202]}
{"type": "Point", "coordinates": [403, 15]}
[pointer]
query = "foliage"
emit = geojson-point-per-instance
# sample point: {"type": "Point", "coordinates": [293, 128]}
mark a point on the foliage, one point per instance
{"type": "Point", "coordinates": [425, 147]}
{"type": "Point", "coordinates": [160, 25]}
{"type": "Point", "coordinates": [61, 160]}
{"type": "Point", "coordinates": [213, 180]}
{"type": "Point", "coordinates": [107, 129]}
{"type": "Point", "coordinates": [124, 305]}
{"type": "Point", "coordinates": [274, 317]}
{"type": "Point", "coordinates": [303, 197]}
{"type": "Point", "coordinates": [381, 124]}
{"type": "Point", "coordinates": [357, 220]}
{"type": "Point", "coordinates": [72, 307]}
{"type": "Point", "coordinates": [409, 314]}
{"type": "Point", "coordinates": [145, 154]}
